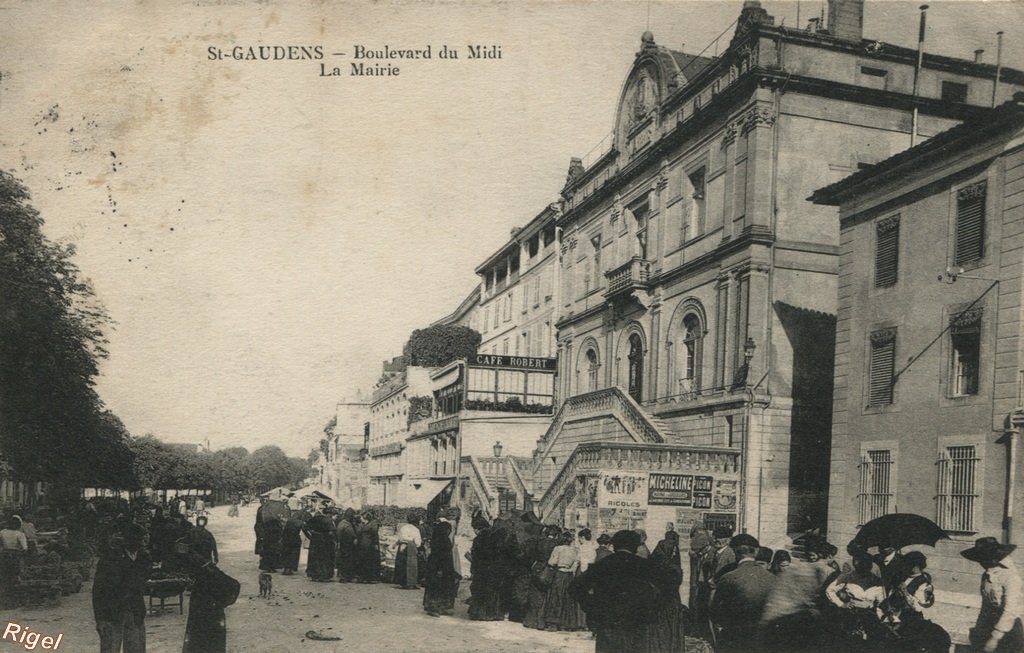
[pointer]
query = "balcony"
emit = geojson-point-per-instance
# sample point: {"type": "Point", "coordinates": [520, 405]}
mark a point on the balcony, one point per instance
{"type": "Point", "coordinates": [623, 280]}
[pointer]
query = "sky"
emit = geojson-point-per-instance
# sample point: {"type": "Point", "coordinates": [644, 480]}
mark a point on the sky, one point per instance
{"type": "Point", "coordinates": [263, 236]}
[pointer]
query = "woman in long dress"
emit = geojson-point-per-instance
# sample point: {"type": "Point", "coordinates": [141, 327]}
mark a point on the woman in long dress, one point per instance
{"type": "Point", "coordinates": [560, 608]}
{"type": "Point", "coordinates": [541, 549]}
{"type": "Point", "coordinates": [270, 549]}
{"type": "Point", "coordinates": [368, 550]}
{"type": "Point", "coordinates": [291, 543]}
{"type": "Point", "coordinates": [441, 584]}
{"type": "Point", "coordinates": [206, 629]}
{"type": "Point", "coordinates": [488, 571]}
{"type": "Point", "coordinates": [346, 558]}
{"type": "Point", "coordinates": [320, 530]}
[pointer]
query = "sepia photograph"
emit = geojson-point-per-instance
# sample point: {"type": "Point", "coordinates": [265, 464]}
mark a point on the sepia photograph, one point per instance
{"type": "Point", "coordinates": [562, 326]}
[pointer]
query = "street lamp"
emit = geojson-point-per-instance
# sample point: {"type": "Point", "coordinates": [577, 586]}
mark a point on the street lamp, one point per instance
{"type": "Point", "coordinates": [748, 352]}
{"type": "Point", "coordinates": [497, 449]}
{"type": "Point", "coordinates": [739, 379]}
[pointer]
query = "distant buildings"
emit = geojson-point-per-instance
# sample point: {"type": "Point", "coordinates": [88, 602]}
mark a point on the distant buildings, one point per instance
{"type": "Point", "coordinates": [344, 466]}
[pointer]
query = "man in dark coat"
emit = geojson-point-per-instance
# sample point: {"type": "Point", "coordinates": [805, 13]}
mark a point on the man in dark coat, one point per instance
{"type": "Point", "coordinates": [117, 594]}
{"type": "Point", "coordinates": [346, 558]}
{"type": "Point", "coordinates": [202, 541]}
{"type": "Point", "coordinates": [622, 594]}
{"type": "Point", "coordinates": [258, 527]}
{"type": "Point", "coordinates": [739, 600]}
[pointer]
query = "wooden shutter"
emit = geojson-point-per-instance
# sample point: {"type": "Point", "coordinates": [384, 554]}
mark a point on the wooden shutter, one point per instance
{"type": "Point", "coordinates": [882, 367]}
{"type": "Point", "coordinates": [887, 252]}
{"type": "Point", "coordinates": [970, 223]}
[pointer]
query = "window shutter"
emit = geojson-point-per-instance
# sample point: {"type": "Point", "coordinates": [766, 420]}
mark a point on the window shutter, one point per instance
{"type": "Point", "coordinates": [887, 252]}
{"type": "Point", "coordinates": [882, 367]}
{"type": "Point", "coordinates": [970, 223]}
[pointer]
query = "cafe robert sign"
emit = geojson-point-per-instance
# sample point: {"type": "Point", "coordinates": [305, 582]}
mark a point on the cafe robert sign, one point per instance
{"type": "Point", "coordinates": [531, 363]}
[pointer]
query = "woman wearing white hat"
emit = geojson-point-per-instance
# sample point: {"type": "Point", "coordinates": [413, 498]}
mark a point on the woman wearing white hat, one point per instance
{"type": "Point", "coordinates": [999, 626]}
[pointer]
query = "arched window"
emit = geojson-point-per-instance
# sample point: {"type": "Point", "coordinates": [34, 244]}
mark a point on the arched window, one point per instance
{"type": "Point", "coordinates": [693, 335]}
{"type": "Point", "coordinates": [592, 367]}
{"type": "Point", "coordinates": [636, 367]}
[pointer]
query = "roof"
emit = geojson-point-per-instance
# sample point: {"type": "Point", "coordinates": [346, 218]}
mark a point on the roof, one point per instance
{"type": "Point", "coordinates": [537, 224]}
{"type": "Point", "coordinates": [1007, 116]}
{"type": "Point", "coordinates": [471, 300]}
{"type": "Point", "coordinates": [689, 64]}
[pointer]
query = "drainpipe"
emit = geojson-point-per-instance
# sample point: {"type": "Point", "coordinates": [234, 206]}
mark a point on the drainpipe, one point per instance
{"type": "Point", "coordinates": [1015, 420]}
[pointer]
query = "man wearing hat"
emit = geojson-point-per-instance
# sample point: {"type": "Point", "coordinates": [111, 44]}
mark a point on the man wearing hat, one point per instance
{"type": "Point", "coordinates": [740, 598]}
{"type": "Point", "coordinates": [999, 626]}
{"type": "Point", "coordinates": [718, 558]}
{"type": "Point", "coordinates": [117, 593]}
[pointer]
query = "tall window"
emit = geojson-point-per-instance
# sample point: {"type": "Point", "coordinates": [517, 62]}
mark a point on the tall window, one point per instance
{"type": "Point", "coordinates": [636, 367]}
{"type": "Point", "coordinates": [640, 215]}
{"type": "Point", "coordinates": [970, 223]}
{"type": "Point", "coordinates": [592, 367]}
{"type": "Point", "coordinates": [695, 224]}
{"type": "Point", "coordinates": [693, 334]}
{"type": "Point", "coordinates": [875, 495]}
{"type": "Point", "coordinates": [596, 242]}
{"type": "Point", "coordinates": [965, 351]}
{"type": "Point", "coordinates": [881, 367]}
{"type": "Point", "coordinates": [957, 498]}
{"type": "Point", "coordinates": [887, 251]}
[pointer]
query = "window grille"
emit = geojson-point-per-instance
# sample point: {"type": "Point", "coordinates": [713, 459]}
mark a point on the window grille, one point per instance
{"type": "Point", "coordinates": [957, 497]}
{"type": "Point", "coordinates": [970, 223]}
{"type": "Point", "coordinates": [875, 491]}
{"type": "Point", "coordinates": [887, 251]}
{"type": "Point", "coordinates": [882, 367]}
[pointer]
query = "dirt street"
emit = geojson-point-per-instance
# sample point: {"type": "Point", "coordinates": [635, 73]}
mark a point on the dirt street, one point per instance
{"type": "Point", "coordinates": [365, 617]}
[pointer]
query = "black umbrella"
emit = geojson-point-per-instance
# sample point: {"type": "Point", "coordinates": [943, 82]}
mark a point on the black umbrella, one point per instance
{"type": "Point", "coordinates": [898, 530]}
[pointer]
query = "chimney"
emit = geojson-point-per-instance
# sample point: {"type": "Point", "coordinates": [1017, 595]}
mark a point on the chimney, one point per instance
{"type": "Point", "coordinates": [846, 19]}
{"type": "Point", "coordinates": [977, 55]}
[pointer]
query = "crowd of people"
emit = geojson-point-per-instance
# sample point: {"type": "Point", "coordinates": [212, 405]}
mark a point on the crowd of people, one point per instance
{"type": "Point", "coordinates": [745, 597]}
{"type": "Point", "coordinates": [342, 542]}
{"type": "Point", "coordinates": [157, 542]}
{"type": "Point", "coordinates": [741, 596]}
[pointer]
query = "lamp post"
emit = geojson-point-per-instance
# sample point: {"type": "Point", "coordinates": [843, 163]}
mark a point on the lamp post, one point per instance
{"type": "Point", "coordinates": [743, 380]}
{"type": "Point", "coordinates": [497, 449]}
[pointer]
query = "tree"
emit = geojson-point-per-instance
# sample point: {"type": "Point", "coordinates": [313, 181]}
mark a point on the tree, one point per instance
{"type": "Point", "coordinates": [53, 425]}
{"type": "Point", "coordinates": [270, 468]}
{"type": "Point", "coordinates": [440, 344]}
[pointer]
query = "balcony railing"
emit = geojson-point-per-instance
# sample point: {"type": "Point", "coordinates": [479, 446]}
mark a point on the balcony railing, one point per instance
{"type": "Point", "coordinates": [634, 275]}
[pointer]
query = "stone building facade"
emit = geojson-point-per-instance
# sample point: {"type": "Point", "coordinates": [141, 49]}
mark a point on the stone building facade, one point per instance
{"type": "Point", "coordinates": [930, 356]}
{"type": "Point", "coordinates": [697, 285]}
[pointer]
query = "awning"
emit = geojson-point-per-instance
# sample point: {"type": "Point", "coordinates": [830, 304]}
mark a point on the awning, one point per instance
{"type": "Point", "coordinates": [276, 492]}
{"type": "Point", "coordinates": [421, 492]}
{"type": "Point", "coordinates": [312, 491]}
{"type": "Point", "coordinates": [446, 378]}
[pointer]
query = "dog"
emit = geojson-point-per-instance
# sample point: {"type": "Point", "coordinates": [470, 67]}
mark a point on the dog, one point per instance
{"type": "Point", "coordinates": [266, 585]}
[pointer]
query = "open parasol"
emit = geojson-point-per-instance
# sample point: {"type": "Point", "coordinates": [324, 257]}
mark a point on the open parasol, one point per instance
{"type": "Point", "coordinates": [898, 530]}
